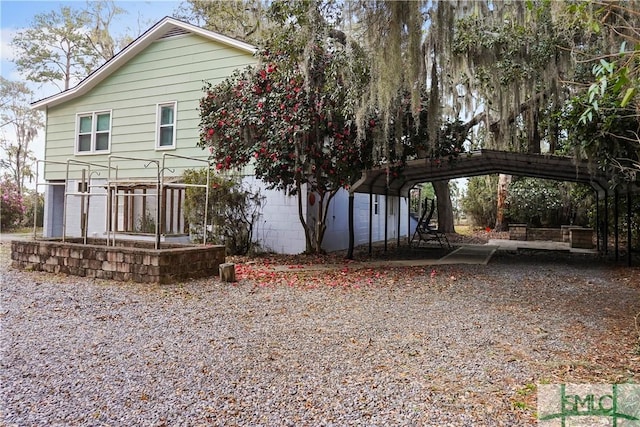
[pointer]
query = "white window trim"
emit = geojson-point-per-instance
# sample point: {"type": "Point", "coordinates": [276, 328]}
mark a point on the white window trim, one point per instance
{"type": "Point", "coordinates": [94, 124]}
{"type": "Point", "coordinates": [159, 106]}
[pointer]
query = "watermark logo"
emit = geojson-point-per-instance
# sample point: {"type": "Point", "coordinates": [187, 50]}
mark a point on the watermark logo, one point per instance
{"type": "Point", "coordinates": [587, 405]}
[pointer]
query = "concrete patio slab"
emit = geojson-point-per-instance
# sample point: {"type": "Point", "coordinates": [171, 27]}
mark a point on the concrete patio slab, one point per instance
{"type": "Point", "coordinates": [470, 254]}
{"type": "Point", "coordinates": [512, 245]}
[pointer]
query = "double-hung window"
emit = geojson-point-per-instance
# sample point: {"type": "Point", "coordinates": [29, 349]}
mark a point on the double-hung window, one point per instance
{"type": "Point", "coordinates": [94, 133]}
{"type": "Point", "coordinates": [166, 126]}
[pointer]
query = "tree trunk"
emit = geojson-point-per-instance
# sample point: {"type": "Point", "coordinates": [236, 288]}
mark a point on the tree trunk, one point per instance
{"type": "Point", "coordinates": [305, 227]}
{"type": "Point", "coordinates": [67, 72]}
{"type": "Point", "coordinates": [321, 223]}
{"type": "Point", "coordinates": [503, 191]}
{"type": "Point", "coordinates": [445, 207]}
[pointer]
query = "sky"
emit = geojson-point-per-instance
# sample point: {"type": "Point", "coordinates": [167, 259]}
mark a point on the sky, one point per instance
{"type": "Point", "coordinates": [18, 15]}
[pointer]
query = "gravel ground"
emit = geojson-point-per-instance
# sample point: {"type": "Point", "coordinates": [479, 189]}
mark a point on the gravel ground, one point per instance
{"type": "Point", "coordinates": [456, 346]}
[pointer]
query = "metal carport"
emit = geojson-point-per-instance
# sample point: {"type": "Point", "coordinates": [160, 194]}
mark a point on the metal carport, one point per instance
{"type": "Point", "coordinates": [484, 162]}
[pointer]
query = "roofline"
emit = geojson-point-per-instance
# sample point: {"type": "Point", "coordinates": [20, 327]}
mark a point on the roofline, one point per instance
{"type": "Point", "coordinates": [131, 50]}
{"type": "Point", "coordinates": [483, 162]}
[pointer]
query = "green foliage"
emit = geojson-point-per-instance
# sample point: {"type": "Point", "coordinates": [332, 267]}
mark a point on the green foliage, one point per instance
{"type": "Point", "coordinates": [232, 210]}
{"type": "Point", "coordinates": [519, 50]}
{"type": "Point", "coordinates": [540, 202]}
{"type": "Point", "coordinates": [605, 134]}
{"type": "Point", "coordinates": [12, 206]}
{"type": "Point", "coordinates": [64, 46]}
{"type": "Point", "coordinates": [611, 82]}
{"type": "Point", "coordinates": [420, 194]}
{"type": "Point", "coordinates": [506, 58]}
{"type": "Point", "coordinates": [239, 19]}
{"type": "Point", "coordinates": [602, 122]}
{"type": "Point", "coordinates": [54, 49]}
{"type": "Point", "coordinates": [145, 223]}
{"type": "Point", "coordinates": [452, 136]}
{"type": "Point", "coordinates": [33, 201]}
{"type": "Point", "coordinates": [18, 159]}
{"type": "Point", "coordinates": [480, 201]}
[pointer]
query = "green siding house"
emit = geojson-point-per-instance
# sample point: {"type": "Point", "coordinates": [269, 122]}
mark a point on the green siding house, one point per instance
{"type": "Point", "coordinates": [141, 103]}
{"type": "Point", "coordinates": [107, 138]}
{"type": "Point", "coordinates": [117, 144]}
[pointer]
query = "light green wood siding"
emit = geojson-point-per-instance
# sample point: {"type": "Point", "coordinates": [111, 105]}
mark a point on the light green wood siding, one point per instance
{"type": "Point", "coordinates": [170, 69]}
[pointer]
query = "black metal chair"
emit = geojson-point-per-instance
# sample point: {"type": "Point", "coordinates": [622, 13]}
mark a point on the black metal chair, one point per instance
{"type": "Point", "coordinates": [425, 232]}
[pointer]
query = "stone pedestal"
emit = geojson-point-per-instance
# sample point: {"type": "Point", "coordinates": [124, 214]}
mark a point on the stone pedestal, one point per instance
{"type": "Point", "coordinates": [566, 229]}
{"type": "Point", "coordinates": [581, 238]}
{"type": "Point", "coordinates": [228, 272]}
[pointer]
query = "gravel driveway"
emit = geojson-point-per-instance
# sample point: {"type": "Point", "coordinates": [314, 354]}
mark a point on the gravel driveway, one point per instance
{"type": "Point", "coordinates": [456, 345]}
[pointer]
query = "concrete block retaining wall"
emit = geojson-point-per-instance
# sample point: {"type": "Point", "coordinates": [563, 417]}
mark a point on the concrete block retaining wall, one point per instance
{"type": "Point", "coordinates": [550, 234]}
{"type": "Point", "coordinates": [578, 237]}
{"type": "Point", "coordinates": [517, 231]}
{"type": "Point", "coordinates": [129, 261]}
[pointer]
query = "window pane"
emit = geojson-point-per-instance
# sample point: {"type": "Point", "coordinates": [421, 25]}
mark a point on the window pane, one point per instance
{"type": "Point", "coordinates": [103, 122]}
{"type": "Point", "coordinates": [84, 143]}
{"type": "Point", "coordinates": [85, 124]}
{"type": "Point", "coordinates": [166, 136]}
{"type": "Point", "coordinates": [166, 115]}
{"type": "Point", "coordinates": [102, 141]}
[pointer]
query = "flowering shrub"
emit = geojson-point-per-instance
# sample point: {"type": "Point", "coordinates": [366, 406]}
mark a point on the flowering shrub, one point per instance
{"type": "Point", "coordinates": [295, 123]}
{"type": "Point", "coordinates": [293, 135]}
{"type": "Point", "coordinates": [12, 206]}
{"type": "Point", "coordinates": [540, 202]}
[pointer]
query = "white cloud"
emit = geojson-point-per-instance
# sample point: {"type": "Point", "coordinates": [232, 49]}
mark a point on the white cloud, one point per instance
{"type": "Point", "coordinates": [6, 50]}
{"type": "Point", "coordinates": [8, 55]}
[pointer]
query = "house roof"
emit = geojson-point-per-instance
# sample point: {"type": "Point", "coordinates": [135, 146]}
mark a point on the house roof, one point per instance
{"type": "Point", "coordinates": [165, 27]}
{"type": "Point", "coordinates": [477, 163]}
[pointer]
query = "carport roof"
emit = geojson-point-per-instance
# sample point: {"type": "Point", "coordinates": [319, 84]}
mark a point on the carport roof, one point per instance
{"type": "Point", "coordinates": [477, 163]}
